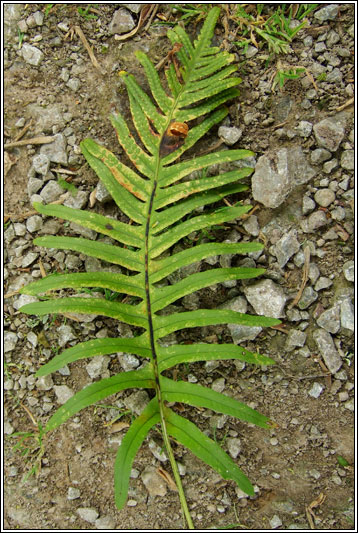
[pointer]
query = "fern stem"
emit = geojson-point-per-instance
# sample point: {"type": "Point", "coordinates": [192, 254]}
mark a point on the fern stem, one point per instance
{"type": "Point", "coordinates": [173, 464]}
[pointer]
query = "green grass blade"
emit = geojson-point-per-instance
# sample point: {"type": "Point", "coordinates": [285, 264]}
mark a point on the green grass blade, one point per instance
{"type": "Point", "coordinates": [208, 317]}
{"type": "Point", "coordinates": [93, 306]}
{"type": "Point", "coordinates": [165, 295]}
{"type": "Point", "coordinates": [129, 447]}
{"type": "Point", "coordinates": [170, 356]}
{"type": "Point", "coordinates": [198, 396]}
{"type": "Point", "coordinates": [138, 346]}
{"type": "Point", "coordinates": [124, 233]}
{"type": "Point", "coordinates": [100, 250]}
{"type": "Point", "coordinates": [140, 379]}
{"type": "Point", "coordinates": [163, 267]}
{"type": "Point", "coordinates": [206, 449]}
{"type": "Point", "coordinates": [132, 285]}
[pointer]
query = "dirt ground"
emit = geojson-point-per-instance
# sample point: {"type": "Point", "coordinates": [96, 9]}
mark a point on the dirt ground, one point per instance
{"type": "Point", "coordinates": [306, 461]}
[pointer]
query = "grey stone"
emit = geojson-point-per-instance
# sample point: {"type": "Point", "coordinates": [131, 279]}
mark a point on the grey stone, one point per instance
{"type": "Point", "coordinates": [332, 38]}
{"type": "Point", "coordinates": [31, 54]}
{"type": "Point", "coordinates": [347, 159]}
{"type": "Point", "coordinates": [73, 493]}
{"type": "Point", "coordinates": [316, 220]}
{"type": "Point", "coordinates": [330, 165]}
{"type": "Point", "coordinates": [240, 333]}
{"type": "Point", "coordinates": [20, 229]}
{"type": "Point", "coordinates": [230, 135]}
{"type": "Point", "coordinates": [218, 385]}
{"type": "Point", "coordinates": [128, 361]}
{"type": "Point", "coordinates": [324, 197]}
{"type": "Point", "coordinates": [137, 401]}
{"type": "Point", "coordinates": [322, 283]}
{"type": "Point", "coordinates": [348, 270]}
{"type": "Point", "coordinates": [278, 173]}
{"type": "Point", "coordinates": [329, 133]}
{"type": "Point", "coordinates": [29, 259]}
{"type": "Point", "coordinates": [295, 338]}
{"type": "Point", "coordinates": [24, 299]}
{"type": "Point", "coordinates": [44, 383]}
{"type": "Point", "coordinates": [135, 8]}
{"type": "Point", "coordinates": [65, 335]}
{"type": "Point", "coordinates": [88, 514]}
{"type": "Point", "coordinates": [304, 128]}
{"type": "Point", "coordinates": [286, 247]}
{"type": "Point", "coordinates": [74, 84]}
{"type": "Point", "coordinates": [10, 340]}
{"type": "Point", "coordinates": [97, 366]}
{"type": "Point", "coordinates": [330, 319]}
{"type": "Point", "coordinates": [308, 205]}
{"type": "Point", "coordinates": [327, 13]}
{"type": "Point", "coordinates": [72, 261]}
{"type": "Point", "coordinates": [308, 297]}
{"type": "Point", "coordinates": [51, 192]}
{"type": "Point", "coordinates": [33, 186]}
{"type": "Point", "coordinates": [328, 350]}
{"type": "Point", "coordinates": [63, 393]}
{"type": "Point", "coordinates": [84, 232]}
{"type": "Point", "coordinates": [251, 225]}
{"type": "Point", "coordinates": [153, 482]}
{"type": "Point", "coordinates": [157, 451]}
{"type": "Point", "coordinates": [347, 314]}
{"type": "Point", "coordinates": [313, 272]}
{"type": "Point", "coordinates": [46, 118]}
{"type": "Point", "coordinates": [275, 522]}
{"type": "Point", "coordinates": [34, 223]}
{"type": "Point", "coordinates": [102, 195]}
{"type": "Point", "coordinates": [122, 22]}
{"type": "Point", "coordinates": [335, 76]}
{"type": "Point", "coordinates": [266, 298]}
{"type": "Point", "coordinates": [316, 390]}
{"type": "Point", "coordinates": [41, 164]}
{"type": "Point", "coordinates": [78, 201]}
{"type": "Point", "coordinates": [251, 51]}
{"type": "Point", "coordinates": [56, 151]}
{"type": "Point", "coordinates": [105, 522]}
{"type": "Point", "coordinates": [233, 446]}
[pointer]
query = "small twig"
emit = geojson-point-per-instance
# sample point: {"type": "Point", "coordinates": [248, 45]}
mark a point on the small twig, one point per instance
{"type": "Point", "coordinates": [87, 46]}
{"type": "Point", "coordinates": [64, 171]}
{"type": "Point", "coordinates": [306, 267]}
{"type": "Point", "coordinates": [213, 147]}
{"type": "Point", "coordinates": [23, 131]}
{"type": "Point", "coordinates": [34, 140]}
{"type": "Point", "coordinates": [346, 104]}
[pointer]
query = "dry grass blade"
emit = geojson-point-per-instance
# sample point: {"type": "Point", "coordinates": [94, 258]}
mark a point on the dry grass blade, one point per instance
{"type": "Point", "coordinates": [306, 267]}
{"type": "Point", "coordinates": [87, 46]}
{"type": "Point", "coordinates": [34, 140]}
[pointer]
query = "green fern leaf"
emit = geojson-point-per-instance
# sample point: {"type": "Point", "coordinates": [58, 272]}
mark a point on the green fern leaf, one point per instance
{"type": "Point", "coordinates": [160, 205]}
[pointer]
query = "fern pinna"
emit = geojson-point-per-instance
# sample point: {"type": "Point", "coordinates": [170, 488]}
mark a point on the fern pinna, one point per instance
{"type": "Point", "coordinates": [156, 200]}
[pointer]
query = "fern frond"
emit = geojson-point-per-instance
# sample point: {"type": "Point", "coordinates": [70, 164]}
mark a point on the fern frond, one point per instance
{"type": "Point", "coordinates": [159, 205]}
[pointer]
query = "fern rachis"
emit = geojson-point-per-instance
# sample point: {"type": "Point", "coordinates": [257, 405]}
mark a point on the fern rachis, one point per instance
{"type": "Point", "coordinates": [156, 200]}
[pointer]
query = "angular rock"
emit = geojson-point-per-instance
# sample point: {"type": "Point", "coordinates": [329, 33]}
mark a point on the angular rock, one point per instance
{"type": "Point", "coordinates": [31, 54]}
{"type": "Point", "coordinates": [153, 482]}
{"type": "Point", "coordinates": [329, 133]}
{"type": "Point", "coordinates": [295, 338]}
{"type": "Point", "coordinates": [266, 298]}
{"type": "Point", "coordinates": [347, 159]}
{"type": "Point", "coordinates": [239, 333]}
{"type": "Point", "coordinates": [286, 247]}
{"type": "Point", "coordinates": [122, 22]}
{"type": "Point", "coordinates": [328, 350]}
{"type": "Point", "coordinates": [41, 164]}
{"type": "Point", "coordinates": [327, 13]}
{"type": "Point", "coordinates": [56, 151]}
{"type": "Point", "coordinates": [320, 155]}
{"type": "Point", "coordinates": [229, 135]}
{"type": "Point", "coordinates": [10, 340]}
{"type": "Point", "coordinates": [137, 401]}
{"type": "Point", "coordinates": [63, 393]}
{"type": "Point", "coordinates": [51, 192]}
{"type": "Point", "coordinates": [88, 514]}
{"type": "Point", "coordinates": [278, 173]}
{"type": "Point", "coordinates": [348, 270]}
{"type": "Point", "coordinates": [330, 319]}
{"type": "Point", "coordinates": [347, 314]}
